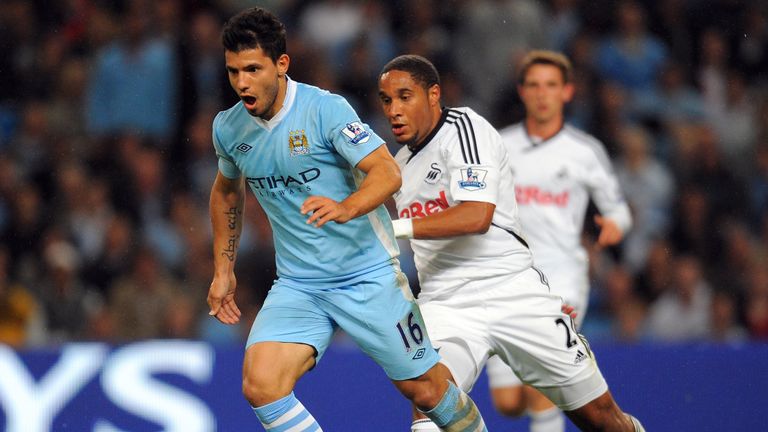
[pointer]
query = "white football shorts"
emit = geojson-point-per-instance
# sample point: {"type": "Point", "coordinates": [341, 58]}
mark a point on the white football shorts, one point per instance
{"type": "Point", "coordinates": [518, 319]}
{"type": "Point", "coordinates": [570, 283]}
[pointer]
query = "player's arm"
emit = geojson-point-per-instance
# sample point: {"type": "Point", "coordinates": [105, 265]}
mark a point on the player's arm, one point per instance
{"type": "Point", "coordinates": [381, 181]}
{"type": "Point", "coordinates": [465, 218]}
{"type": "Point", "coordinates": [615, 218]}
{"type": "Point", "coordinates": [226, 210]}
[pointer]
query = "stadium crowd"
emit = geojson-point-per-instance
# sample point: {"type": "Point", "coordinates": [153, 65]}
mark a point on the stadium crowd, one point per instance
{"type": "Point", "coordinates": [106, 159]}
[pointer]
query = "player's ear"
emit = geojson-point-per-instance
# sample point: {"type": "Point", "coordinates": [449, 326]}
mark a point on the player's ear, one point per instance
{"type": "Point", "coordinates": [433, 93]}
{"type": "Point", "coordinates": [568, 91]}
{"type": "Point", "coordinates": [282, 64]}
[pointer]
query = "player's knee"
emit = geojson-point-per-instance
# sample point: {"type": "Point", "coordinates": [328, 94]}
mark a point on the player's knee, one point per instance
{"type": "Point", "coordinates": [602, 414]}
{"type": "Point", "coordinates": [509, 402]}
{"type": "Point", "coordinates": [260, 389]}
{"type": "Point", "coordinates": [424, 394]}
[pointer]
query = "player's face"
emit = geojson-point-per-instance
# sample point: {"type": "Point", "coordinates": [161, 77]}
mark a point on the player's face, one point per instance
{"type": "Point", "coordinates": [544, 93]}
{"type": "Point", "coordinates": [412, 110]}
{"type": "Point", "coordinates": [256, 80]}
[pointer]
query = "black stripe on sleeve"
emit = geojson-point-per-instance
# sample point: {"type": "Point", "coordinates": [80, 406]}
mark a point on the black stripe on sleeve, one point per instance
{"type": "Point", "coordinates": [461, 143]}
{"type": "Point", "coordinates": [474, 139]}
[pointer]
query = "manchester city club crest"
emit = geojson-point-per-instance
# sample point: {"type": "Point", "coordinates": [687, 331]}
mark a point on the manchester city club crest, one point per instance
{"type": "Point", "coordinates": [297, 143]}
{"type": "Point", "coordinates": [472, 179]}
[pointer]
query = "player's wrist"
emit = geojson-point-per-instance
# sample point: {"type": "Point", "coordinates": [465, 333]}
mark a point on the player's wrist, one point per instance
{"type": "Point", "coordinates": [403, 228]}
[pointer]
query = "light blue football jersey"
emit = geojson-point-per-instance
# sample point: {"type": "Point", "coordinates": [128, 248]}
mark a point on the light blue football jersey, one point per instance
{"type": "Point", "coordinates": [310, 147]}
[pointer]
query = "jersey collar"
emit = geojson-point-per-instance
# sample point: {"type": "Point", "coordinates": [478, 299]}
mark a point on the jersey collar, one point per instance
{"type": "Point", "coordinates": [536, 141]}
{"type": "Point", "coordinates": [428, 138]}
{"type": "Point", "coordinates": [290, 96]}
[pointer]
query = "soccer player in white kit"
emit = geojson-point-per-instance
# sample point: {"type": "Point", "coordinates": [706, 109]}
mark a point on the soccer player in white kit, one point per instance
{"type": "Point", "coordinates": [480, 294]}
{"type": "Point", "coordinates": [556, 169]}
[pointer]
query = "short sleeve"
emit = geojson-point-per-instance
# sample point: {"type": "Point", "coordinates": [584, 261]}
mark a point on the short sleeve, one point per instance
{"type": "Point", "coordinates": [227, 166]}
{"type": "Point", "coordinates": [352, 139]}
{"type": "Point", "coordinates": [605, 189]}
{"type": "Point", "coordinates": [475, 162]}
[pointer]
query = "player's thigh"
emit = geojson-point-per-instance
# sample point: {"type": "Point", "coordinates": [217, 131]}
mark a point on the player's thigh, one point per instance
{"type": "Point", "coordinates": [292, 315]}
{"type": "Point", "coordinates": [380, 315]}
{"type": "Point", "coordinates": [541, 344]}
{"type": "Point", "coordinates": [458, 329]}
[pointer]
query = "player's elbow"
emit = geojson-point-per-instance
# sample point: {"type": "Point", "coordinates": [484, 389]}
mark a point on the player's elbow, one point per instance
{"type": "Point", "coordinates": [478, 226]}
{"type": "Point", "coordinates": [480, 220]}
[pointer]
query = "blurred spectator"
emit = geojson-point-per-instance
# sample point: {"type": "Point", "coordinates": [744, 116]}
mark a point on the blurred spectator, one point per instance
{"type": "Point", "coordinates": [736, 125]}
{"type": "Point", "coordinates": [758, 186]}
{"type": "Point", "coordinates": [752, 48]}
{"type": "Point", "coordinates": [116, 254]}
{"type": "Point", "coordinates": [132, 86]}
{"type": "Point", "coordinates": [672, 100]}
{"type": "Point", "coordinates": [631, 56]}
{"type": "Point", "coordinates": [724, 326]}
{"type": "Point", "coordinates": [141, 300]}
{"type": "Point", "coordinates": [68, 303]}
{"type": "Point", "coordinates": [618, 313]}
{"type": "Point", "coordinates": [20, 314]}
{"type": "Point", "coordinates": [757, 302]}
{"type": "Point", "coordinates": [656, 276]}
{"type": "Point", "coordinates": [494, 34]}
{"type": "Point", "coordinates": [683, 312]}
{"type": "Point", "coordinates": [649, 188]}
{"type": "Point", "coordinates": [712, 70]}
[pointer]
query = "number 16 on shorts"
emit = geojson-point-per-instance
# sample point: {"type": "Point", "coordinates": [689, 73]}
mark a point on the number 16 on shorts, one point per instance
{"type": "Point", "coordinates": [411, 329]}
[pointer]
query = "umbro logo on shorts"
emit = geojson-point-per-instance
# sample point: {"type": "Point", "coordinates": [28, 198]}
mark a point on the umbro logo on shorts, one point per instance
{"type": "Point", "coordinates": [419, 354]}
{"type": "Point", "coordinates": [580, 356]}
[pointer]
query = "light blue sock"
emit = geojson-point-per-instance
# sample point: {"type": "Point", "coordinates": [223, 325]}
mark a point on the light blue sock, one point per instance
{"type": "Point", "coordinates": [286, 414]}
{"type": "Point", "coordinates": [456, 412]}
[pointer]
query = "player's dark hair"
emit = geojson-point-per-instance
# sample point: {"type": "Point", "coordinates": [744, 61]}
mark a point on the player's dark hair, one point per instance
{"type": "Point", "coordinates": [545, 57]}
{"type": "Point", "coordinates": [421, 70]}
{"type": "Point", "coordinates": [255, 28]}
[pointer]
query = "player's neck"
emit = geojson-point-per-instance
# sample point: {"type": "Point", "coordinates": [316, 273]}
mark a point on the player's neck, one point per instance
{"type": "Point", "coordinates": [544, 130]}
{"type": "Point", "coordinates": [282, 90]}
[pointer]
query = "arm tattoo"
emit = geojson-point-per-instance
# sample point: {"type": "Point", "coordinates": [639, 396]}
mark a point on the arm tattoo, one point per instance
{"type": "Point", "coordinates": [232, 219]}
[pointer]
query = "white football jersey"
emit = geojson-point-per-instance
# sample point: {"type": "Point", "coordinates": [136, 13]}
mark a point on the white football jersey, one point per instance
{"type": "Point", "coordinates": [554, 180]}
{"type": "Point", "coordinates": [463, 159]}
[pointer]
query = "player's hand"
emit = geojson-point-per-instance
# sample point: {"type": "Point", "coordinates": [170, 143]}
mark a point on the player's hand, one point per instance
{"type": "Point", "coordinates": [569, 310]}
{"type": "Point", "coordinates": [324, 210]}
{"type": "Point", "coordinates": [221, 299]}
{"type": "Point", "coordinates": [610, 233]}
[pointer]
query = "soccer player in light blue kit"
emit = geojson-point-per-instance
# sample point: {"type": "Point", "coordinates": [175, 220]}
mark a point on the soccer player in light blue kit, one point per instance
{"type": "Point", "coordinates": [321, 176]}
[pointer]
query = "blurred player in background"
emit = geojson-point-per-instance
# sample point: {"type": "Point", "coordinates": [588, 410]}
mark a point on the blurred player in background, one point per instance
{"type": "Point", "coordinates": [321, 176]}
{"type": "Point", "coordinates": [557, 169]}
{"type": "Point", "coordinates": [480, 294]}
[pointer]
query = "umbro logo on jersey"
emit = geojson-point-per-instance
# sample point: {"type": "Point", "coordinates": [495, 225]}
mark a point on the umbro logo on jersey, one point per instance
{"type": "Point", "coordinates": [244, 148]}
{"type": "Point", "coordinates": [419, 354]}
{"type": "Point", "coordinates": [434, 174]}
{"type": "Point", "coordinates": [580, 357]}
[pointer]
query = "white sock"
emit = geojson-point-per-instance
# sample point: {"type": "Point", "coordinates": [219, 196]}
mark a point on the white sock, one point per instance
{"type": "Point", "coordinates": [424, 425]}
{"type": "Point", "coordinates": [549, 420]}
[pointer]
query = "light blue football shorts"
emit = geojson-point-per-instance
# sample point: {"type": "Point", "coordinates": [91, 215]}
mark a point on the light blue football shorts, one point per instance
{"type": "Point", "coordinates": [378, 313]}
